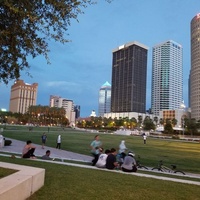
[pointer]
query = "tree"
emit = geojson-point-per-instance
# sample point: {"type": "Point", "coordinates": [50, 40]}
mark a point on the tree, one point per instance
{"type": "Point", "coordinates": [161, 121]}
{"type": "Point", "coordinates": [192, 126]}
{"type": "Point", "coordinates": [26, 26]}
{"type": "Point", "coordinates": [155, 119]}
{"type": "Point", "coordinates": [148, 123]}
{"type": "Point", "coordinates": [168, 127]}
{"type": "Point", "coordinates": [174, 122]}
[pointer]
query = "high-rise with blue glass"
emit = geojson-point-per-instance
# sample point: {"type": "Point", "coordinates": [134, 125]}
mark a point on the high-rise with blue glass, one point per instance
{"type": "Point", "coordinates": [104, 99]}
{"type": "Point", "coordinates": [167, 77]}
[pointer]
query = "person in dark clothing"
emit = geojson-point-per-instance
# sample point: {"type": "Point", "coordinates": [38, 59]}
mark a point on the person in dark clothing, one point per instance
{"type": "Point", "coordinates": [111, 161]}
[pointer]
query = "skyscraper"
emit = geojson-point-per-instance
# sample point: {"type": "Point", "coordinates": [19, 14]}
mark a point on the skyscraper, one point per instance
{"type": "Point", "coordinates": [129, 74]}
{"type": "Point", "coordinates": [167, 77]}
{"type": "Point", "coordinates": [104, 98]}
{"type": "Point", "coordinates": [22, 96]}
{"type": "Point", "coordinates": [195, 68]}
{"type": "Point", "coordinates": [77, 110]}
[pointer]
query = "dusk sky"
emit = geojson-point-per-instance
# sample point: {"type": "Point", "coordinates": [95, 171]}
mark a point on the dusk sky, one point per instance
{"type": "Point", "coordinates": [79, 68]}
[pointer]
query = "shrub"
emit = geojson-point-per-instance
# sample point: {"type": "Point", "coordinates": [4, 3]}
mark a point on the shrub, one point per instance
{"type": "Point", "coordinates": [175, 137]}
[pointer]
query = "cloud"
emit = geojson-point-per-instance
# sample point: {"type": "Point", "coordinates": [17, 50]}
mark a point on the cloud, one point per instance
{"type": "Point", "coordinates": [63, 85]}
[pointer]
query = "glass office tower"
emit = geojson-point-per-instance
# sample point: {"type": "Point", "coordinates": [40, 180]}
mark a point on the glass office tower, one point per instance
{"type": "Point", "coordinates": [167, 77]}
{"type": "Point", "coordinates": [104, 99]}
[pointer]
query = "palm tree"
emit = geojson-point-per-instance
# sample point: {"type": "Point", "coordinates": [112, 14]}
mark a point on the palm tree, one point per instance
{"type": "Point", "coordinates": [174, 122]}
{"type": "Point", "coordinates": [155, 119]}
{"type": "Point", "coordinates": [161, 121]}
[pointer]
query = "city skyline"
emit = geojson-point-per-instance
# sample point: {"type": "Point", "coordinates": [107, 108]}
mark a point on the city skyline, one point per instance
{"type": "Point", "coordinates": [80, 67]}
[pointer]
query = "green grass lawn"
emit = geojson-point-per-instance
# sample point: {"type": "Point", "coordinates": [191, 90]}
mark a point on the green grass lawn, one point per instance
{"type": "Point", "coordinates": [73, 183]}
{"type": "Point", "coordinates": [67, 182]}
{"type": "Point", "coordinates": [184, 154]}
{"type": "Point", "coordinates": [5, 172]}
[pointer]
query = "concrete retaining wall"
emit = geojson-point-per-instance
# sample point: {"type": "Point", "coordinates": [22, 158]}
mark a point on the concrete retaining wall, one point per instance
{"type": "Point", "coordinates": [22, 184]}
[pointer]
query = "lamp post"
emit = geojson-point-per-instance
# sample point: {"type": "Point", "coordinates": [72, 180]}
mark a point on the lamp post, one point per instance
{"type": "Point", "coordinates": [183, 124]}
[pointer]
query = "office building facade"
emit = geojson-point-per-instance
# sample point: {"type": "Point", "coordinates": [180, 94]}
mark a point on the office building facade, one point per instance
{"type": "Point", "coordinates": [167, 77]}
{"type": "Point", "coordinates": [104, 99]}
{"type": "Point", "coordinates": [68, 105]}
{"type": "Point", "coordinates": [22, 96]}
{"type": "Point", "coordinates": [195, 68]}
{"type": "Point", "coordinates": [129, 75]}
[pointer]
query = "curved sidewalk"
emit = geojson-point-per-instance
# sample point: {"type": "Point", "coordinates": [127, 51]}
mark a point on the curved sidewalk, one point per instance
{"type": "Point", "coordinates": [17, 146]}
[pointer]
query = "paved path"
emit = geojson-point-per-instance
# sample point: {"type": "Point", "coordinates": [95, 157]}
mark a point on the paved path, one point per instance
{"type": "Point", "coordinates": [17, 146]}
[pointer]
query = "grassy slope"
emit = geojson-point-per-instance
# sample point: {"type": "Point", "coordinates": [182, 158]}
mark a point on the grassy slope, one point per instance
{"type": "Point", "coordinates": [67, 183]}
{"type": "Point", "coordinates": [184, 154]}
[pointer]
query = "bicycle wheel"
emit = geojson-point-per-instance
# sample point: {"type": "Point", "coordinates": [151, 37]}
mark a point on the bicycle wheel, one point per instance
{"type": "Point", "coordinates": [143, 167]}
{"type": "Point", "coordinates": [157, 168]}
{"type": "Point", "coordinates": [179, 172]}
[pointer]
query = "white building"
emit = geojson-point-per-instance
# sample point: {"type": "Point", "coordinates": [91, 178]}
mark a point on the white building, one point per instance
{"type": "Point", "coordinates": [68, 105]}
{"type": "Point", "coordinates": [129, 115]}
{"type": "Point", "coordinates": [104, 98]}
{"type": "Point", "coordinates": [167, 77]}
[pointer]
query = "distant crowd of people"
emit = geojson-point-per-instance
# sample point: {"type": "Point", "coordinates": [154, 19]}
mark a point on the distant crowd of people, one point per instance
{"type": "Point", "coordinates": [111, 159]}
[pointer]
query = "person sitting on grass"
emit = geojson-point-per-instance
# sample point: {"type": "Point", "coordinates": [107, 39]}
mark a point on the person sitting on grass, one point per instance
{"type": "Point", "coordinates": [101, 163]}
{"type": "Point", "coordinates": [111, 161]}
{"type": "Point", "coordinates": [47, 156]}
{"type": "Point", "coordinates": [28, 150]}
{"type": "Point", "coordinates": [129, 164]}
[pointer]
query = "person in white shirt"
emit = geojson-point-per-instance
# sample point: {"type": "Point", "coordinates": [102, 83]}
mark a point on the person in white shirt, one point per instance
{"type": "Point", "coordinates": [58, 142]}
{"type": "Point", "coordinates": [101, 163]}
{"type": "Point", "coordinates": [122, 147]}
{"type": "Point", "coordinates": [145, 138]}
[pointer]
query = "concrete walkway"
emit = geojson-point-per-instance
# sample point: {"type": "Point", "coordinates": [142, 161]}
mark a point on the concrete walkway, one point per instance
{"type": "Point", "coordinates": [17, 146]}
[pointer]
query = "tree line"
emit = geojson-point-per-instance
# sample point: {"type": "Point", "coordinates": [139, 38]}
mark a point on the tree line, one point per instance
{"type": "Point", "coordinates": [189, 126]}
{"type": "Point", "coordinates": [37, 116]}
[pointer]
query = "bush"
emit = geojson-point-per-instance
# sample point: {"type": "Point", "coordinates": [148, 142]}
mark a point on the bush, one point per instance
{"type": "Point", "coordinates": [7, 142]}
{"type": "Point", "coordinates": [175, 137]}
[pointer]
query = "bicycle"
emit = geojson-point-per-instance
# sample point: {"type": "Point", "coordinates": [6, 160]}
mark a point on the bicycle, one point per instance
{"type": "Point", "coordinates": [139, 166]}
{"type": "Point", "coordinates": [163, 168]}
